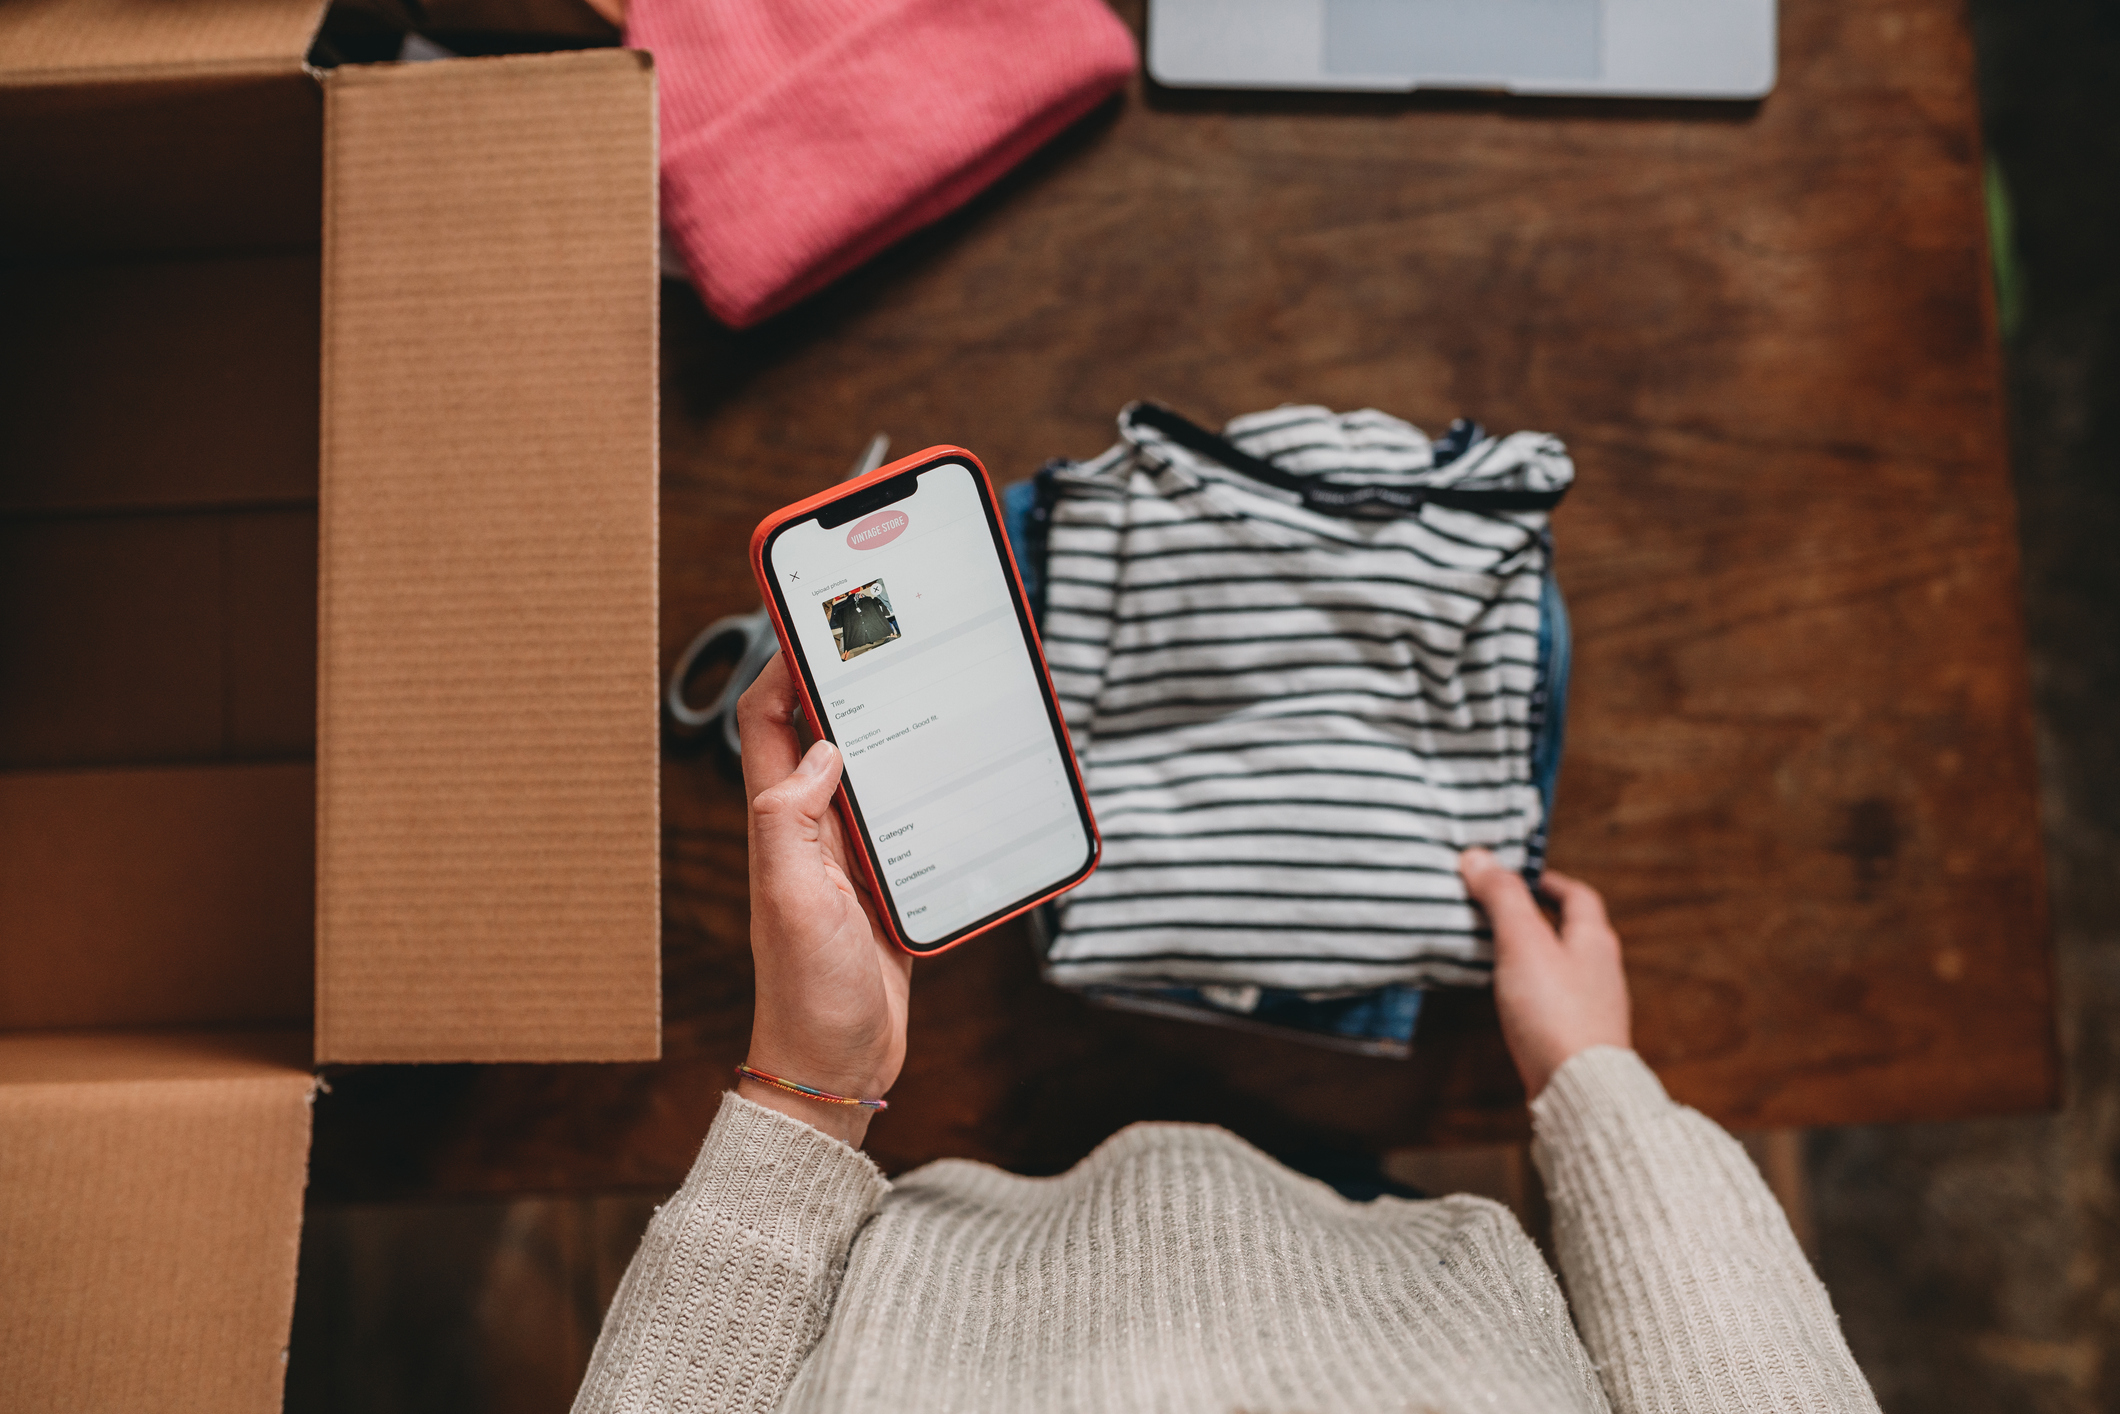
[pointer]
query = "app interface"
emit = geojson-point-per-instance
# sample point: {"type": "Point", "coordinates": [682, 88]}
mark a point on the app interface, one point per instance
{"type": "Point", "coordinates": [904, 619]}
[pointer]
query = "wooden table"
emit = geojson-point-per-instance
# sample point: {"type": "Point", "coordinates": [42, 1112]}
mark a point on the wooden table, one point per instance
{"type": "Point", "coordinates": [1799, 761]}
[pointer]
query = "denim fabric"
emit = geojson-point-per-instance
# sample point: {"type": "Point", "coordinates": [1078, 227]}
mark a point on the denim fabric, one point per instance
{"type": "Point", "coordinates": [1463, 436]}
{"type": "Point", "coordinates": [1549, 710]}
{"type": "Point", "coordinates": [1388, 1013]}
{"type": "Point", "coordinates": [1381, 1021]}
{"type": "Point", "coordinates": [1026, 514]}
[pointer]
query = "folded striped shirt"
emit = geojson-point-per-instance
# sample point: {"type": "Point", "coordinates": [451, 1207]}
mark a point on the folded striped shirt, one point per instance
{"type": "Point", "coordinates": [1292, 719]}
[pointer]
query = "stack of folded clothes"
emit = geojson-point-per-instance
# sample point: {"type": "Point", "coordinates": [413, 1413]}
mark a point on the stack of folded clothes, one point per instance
{"type": "Point", "coordinates": [1305, 663]}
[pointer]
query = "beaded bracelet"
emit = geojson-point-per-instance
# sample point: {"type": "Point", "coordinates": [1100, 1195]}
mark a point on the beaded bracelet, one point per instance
{"type": "Point", "coordinates": [823, 1096]}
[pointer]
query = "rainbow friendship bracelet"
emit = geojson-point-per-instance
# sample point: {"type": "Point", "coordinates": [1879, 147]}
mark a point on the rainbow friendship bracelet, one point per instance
{"type": "Point", "coordinates": [824, 1096]}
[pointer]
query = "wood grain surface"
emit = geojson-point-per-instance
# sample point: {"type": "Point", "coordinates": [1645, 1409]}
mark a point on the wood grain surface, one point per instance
{"type": "Point", "coordinates": [1799, 759]}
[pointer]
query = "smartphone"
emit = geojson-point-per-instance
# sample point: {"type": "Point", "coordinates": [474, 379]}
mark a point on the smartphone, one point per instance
{"type": "Point", "coordinates": [901, 613]}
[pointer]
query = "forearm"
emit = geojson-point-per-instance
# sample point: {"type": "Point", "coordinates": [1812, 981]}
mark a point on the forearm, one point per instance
{"type": "Point", "coordinates": [736, 1275]}
{"type": "Point", "coordinates": [1686, 1282]}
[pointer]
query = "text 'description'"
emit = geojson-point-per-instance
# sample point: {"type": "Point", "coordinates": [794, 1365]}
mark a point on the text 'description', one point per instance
{"type": "Point", "coordinates": [877, 530]}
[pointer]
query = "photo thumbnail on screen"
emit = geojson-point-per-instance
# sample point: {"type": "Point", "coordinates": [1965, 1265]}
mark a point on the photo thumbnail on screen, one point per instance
{"type": "Point", "coordinates": [861, 619]}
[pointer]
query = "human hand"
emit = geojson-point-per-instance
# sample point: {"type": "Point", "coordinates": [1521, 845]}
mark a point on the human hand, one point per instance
{"type": "Point", "coordinates": [831, 991]}
{"type": "Point", "coordinates": [1558, 993]}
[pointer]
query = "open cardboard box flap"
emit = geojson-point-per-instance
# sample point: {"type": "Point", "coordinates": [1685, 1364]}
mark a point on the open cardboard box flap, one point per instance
{"type": "Point", "coordinates": [153, 1216]}
{"type": "Point", "coordinates": [65, 42]}
{"type": "Point", "coordinates": [485, 738]}
{"type": "Point", "coordinates": [339, 754]}
{"type": "Point", "coordinates": [487, 641]}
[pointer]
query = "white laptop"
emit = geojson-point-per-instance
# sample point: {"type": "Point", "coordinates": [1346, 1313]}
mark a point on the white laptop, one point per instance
{"type": "Point", "coordinates": [1601, 48]}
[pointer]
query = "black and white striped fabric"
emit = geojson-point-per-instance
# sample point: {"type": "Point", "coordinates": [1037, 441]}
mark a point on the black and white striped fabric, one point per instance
{"type": "Point", "coordinates": [1291, 722]}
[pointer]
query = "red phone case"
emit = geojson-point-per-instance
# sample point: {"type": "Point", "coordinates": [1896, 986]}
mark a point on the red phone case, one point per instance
{"type": "Point", "coordinates": [863, 851]}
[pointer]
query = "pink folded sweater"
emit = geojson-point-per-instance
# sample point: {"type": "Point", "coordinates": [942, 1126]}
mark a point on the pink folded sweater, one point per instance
{"type": "Point", "coordinates": [801, 137]}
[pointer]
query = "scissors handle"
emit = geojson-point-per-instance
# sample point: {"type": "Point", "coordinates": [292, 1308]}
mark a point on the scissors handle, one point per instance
{"type": "Point", "coordinates": [755, 645]}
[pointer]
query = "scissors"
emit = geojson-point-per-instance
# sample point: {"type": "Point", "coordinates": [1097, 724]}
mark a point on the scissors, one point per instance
{"type": "Point", "coordinates": [747, 639]}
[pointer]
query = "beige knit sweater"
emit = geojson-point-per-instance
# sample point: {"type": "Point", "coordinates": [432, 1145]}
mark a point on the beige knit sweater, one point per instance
{"type": "Point", "coordinates": [1177, 1268]}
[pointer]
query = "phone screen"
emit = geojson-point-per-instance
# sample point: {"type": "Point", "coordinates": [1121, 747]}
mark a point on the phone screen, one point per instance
{"type": "Point", "coordinates": [923, 674]}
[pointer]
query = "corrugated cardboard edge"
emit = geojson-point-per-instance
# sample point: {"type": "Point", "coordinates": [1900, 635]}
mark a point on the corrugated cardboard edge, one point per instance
{"type": "Point", "coordinates": [151, 1228]}
{"type": "Point", "coordinates": [54, 42]}
{"type": "Point", "coordinates": [473, 902]}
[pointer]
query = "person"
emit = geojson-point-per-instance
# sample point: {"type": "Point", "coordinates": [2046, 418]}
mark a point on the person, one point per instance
{"type": "Point", "coordinates": [1177, 1268]}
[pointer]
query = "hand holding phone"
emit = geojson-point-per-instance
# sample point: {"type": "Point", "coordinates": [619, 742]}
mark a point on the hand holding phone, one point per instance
{"type": "Point", "coordinates": [901, 615]}
{"type": "Point", "coordinates": [832, 990]}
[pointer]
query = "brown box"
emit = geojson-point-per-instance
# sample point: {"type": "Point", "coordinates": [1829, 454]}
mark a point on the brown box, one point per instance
{"type": "Point", "coordinates": [327, 636]}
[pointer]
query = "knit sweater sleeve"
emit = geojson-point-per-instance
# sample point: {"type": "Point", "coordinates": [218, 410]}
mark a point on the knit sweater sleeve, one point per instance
{"type": "Point", "coordinates": [1687, 1284]}
{"type": "Point", "coordinates": [735, 1277]}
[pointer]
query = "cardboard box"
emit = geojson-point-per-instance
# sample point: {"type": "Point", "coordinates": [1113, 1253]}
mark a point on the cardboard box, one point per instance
{"type": "Point", "coordinates": [328, 656]}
